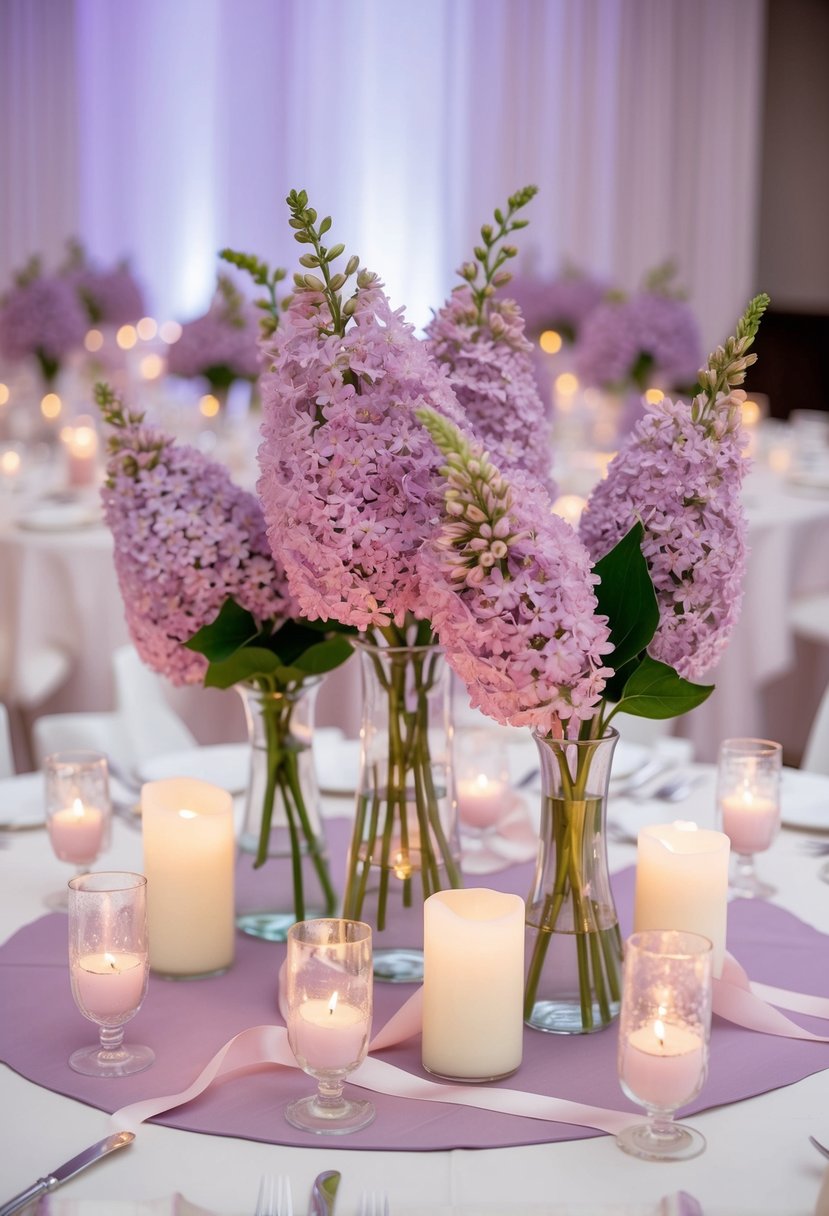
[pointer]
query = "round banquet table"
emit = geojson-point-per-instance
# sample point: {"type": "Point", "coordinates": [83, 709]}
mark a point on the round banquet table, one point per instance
{"type": "Point", "coordinates": [758, 1159]}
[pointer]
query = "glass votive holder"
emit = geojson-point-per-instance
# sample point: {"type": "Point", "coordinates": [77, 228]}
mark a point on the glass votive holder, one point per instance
{"type": "Point", "coordinates": [664, 1031]}
{"type": "Point", "coordinates": [748, 804]}
{"type": "Point", "coordinates": [78, 810]}
{"type": "Point", "coordinates": [482, 780]}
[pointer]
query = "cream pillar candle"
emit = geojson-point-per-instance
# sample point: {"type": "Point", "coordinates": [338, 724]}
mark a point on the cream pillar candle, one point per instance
{"type": "Point", "coordinates": [682, 882]}
{"type": "Point", "coordinates": [473, 984]}
{"type": "Point", "coordinates": [188, 836]}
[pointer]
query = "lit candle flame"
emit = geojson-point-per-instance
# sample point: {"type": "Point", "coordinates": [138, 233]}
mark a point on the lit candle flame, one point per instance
{"type": "Point", "coordinates": [332, 1004]}
{"type": "Point", "coordinates": [110, 960]}
{"type": "Point", "coordinates": [659, 1031]}
{"type": "Point", "coordinates": [185, 814]}
{"type": "Point", "coordinates": [77, 808]}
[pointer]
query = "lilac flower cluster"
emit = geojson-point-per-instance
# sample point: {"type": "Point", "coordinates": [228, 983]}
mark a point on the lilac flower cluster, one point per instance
{"type": "Point", "coordinates": [562, 303]}
{"type": "Point", "coordinates": [508, 587]}
{"type": "Point", "coordinates": [348, 480]}
{"type": "Point", "coordinates": [489, 362]}
{"type": "Point", "coordinates": [186, 538]}
{"type": "Point", "coordinates": [111, 297]}
{"type": "Point", "coordinates": [223, 344]}
{"type": "Point", "coordinates": [626, 342]}
{"type": "Point", "coordinates": [682, 480]}
{"type": "Point", "coordinates": [41, 316]}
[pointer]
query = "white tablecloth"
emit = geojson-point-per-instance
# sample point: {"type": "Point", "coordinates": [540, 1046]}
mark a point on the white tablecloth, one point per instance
{"type": "Point", "coordinates": [758, 1161]}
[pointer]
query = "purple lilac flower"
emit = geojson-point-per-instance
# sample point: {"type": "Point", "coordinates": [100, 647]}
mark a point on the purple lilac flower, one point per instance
{"type": "Point", "coordinates": [223, 344]}
{"type": "Point", "coordinates": [629, 342]}
{"type": "Point", "coordinates": [41, 316]}
{"type": "Point", "coordinates": [680, 473]}
{"type": "Point", "coordinates": [489, 363]}
{"type": "Point", "coordinates": [111, 297]}
{"type": "Point", "coordinates": [508, 586]}
{"type": "Point", "coordinates": [348, 480]}
{"type": "Point", "coordinates": [186, 538]}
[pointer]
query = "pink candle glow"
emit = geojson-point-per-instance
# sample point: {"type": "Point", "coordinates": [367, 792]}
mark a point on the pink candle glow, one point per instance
{"type": "Point", "coordinates": [329, 1034]}
{"type": "Point", "coordinates": [481, 800]}
{"type": "Point", "coordinates": [108, 986]}
{"type": "Point", "coordinates": [749, 821]}
{"type": "Point", "coordinates": [662, 1064]}
{"type": "Point", "coordinates": [77, 832]}
{"type": "Point", "coordinates": [81, 453]}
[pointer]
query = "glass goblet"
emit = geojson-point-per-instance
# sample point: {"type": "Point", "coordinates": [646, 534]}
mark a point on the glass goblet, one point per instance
{"type": "Point", "coordinates": [329, 992]}
{"type": "Point", "coordinates": [748, 801]}
{"type": "Point", "coordinates": [78, 811]}
{"type": "Point", "coordinates": [108, 967]}
{"type": "Point", "coordinates": [484, 795]}
{"type": "Point", "coordinates": [664, 1030]}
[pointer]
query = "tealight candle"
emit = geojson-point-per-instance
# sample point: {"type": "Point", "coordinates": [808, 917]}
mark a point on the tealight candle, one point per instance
{"type": "Point", "coordinates": [750, 821]}
{"type": "Point", "coordinates": [330, 1035]}
{"type": "Point", "coordinates": [481, 800]}
{"type": "Point", "coordinates": [188, 835]}
{"type": "Point", "coordinates": [108, 984]}
{"type": "Point", "coordinates": [81, 444]}
{"type": "Point", "coordinates": [682, 882]}
{"type": "Point", "coordinates": [76, 832]}
{"type": "Point", "coordinates": [662, 1063]}
{"type": "Point", "coordinates": [473, 984]}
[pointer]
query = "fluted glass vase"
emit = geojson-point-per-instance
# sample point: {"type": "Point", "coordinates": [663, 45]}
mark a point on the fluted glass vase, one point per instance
{"type": "Point", "coordinates": [405, 843]}
{"type": "Point", "coordinates": [573, 943]}
{"type": "Point", "coordinates": [282, 825]}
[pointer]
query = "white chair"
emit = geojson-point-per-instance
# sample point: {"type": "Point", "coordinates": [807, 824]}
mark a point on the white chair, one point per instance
{"type": "Point", "coordinates": [809, 617]}
{"type": "Point", "coordinates": [816, 753]}
{"type": "Point", "coordinates": [6, 756]}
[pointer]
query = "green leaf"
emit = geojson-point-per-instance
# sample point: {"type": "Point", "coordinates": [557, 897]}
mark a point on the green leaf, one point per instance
{"type": "Point", "coordinates": [244, 664]}
{"type": "Point", "coordinates": [626, 596]}
{"type": "Point", "coordinates": [614, 688]}
{"type": "Point", "coordinates": [655, 690]}
{"type": "Point", "coordinates": [232, 628]}
{"type": "Point", "coordinates": [325, 656]}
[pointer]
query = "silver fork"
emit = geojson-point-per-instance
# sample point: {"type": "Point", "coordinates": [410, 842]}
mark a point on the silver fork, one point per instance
{"type": "Point", "coordinates": [373, 1203]}
{"type": "Point", "coordinates": [274, 1198]}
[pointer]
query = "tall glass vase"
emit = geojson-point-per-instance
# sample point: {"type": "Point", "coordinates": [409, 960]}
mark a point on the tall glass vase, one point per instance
{"type": "Point", "coordinates": [405, 843]}
{"type": "Point", "coordinates": [282, 825]}
{"type": "Point", "coordinates": [573, 943]}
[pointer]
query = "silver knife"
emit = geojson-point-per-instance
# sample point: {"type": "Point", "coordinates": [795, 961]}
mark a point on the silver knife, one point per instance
{"type": "Point", "coordinates": [323, 1193]}
{"type": "Point", "coordinates": [68, 1170]}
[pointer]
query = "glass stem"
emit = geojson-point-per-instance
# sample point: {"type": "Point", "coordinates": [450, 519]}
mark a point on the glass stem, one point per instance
{"type": "Point", "coordinates": [111, 1038]}
{"type": "Point", "coordinates": [330, 1092]}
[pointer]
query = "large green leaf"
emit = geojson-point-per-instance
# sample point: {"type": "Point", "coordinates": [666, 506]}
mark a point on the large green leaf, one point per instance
{"type": "Point", "coordinates": [232, 628]}
{"type": "Point", "coordinates": [655, 690]}
{"type": "Point", "coordinates": [626, 596]}
{"type": "Point", "coordinates": [243, 664]}
{"type": "Point", "coordinates": [325, 656]}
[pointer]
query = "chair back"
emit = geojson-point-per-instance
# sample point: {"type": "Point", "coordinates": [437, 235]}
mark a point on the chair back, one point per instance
{"type": "Point", "coordinates": [816, 752]}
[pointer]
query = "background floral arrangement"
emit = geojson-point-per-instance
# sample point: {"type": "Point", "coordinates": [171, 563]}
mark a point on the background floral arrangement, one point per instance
{"type": "Point", "coordinates": [110, 295]}
{"type": "Point", "coordinates": [41, 317]}
{"type": "Point", "coordinates": [221, 345]}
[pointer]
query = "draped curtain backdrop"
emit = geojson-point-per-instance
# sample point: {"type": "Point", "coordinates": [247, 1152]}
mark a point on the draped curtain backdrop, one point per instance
{"type": "Point", "coordinates": [165, 129]}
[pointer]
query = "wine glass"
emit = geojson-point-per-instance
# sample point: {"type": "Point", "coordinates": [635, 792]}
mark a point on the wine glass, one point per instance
{"type": "Point", "coordinates": [664, 1029]}
{"type": "Point", "coordinates": [329, 990]}
{"type": "Point", "coordinates": [108, 967]}
{"type": "Point", "coordinates": [78, 811]}
{"type": "Point", "coordinates": [748, 799]}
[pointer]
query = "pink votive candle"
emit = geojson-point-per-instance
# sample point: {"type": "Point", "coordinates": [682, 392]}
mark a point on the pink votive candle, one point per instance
{"type": "Point", "coordinates": [661, 1064]}
{"type": "Point", "coordinates": [329, 1035]}
{"type": "Point", "coordinates": [76, 832]}
{"type": "Point", "coordinates": [749, 821]}
{"type": "Point", "coordinates": [481, 800]}
{"type": "Point", "coordinates": [108, 985]}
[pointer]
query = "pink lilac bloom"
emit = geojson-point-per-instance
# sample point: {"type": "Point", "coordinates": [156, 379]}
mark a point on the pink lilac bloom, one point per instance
{"type": "Point", "coordinates": [111, 297]}
{"type": "Point", "coordinates": [682, 480]}
{"type": "Point", "coordinates": [649, 336]}
{"type": "Point", "coordinates": [508, 587]}
{"type": "Point", "coordinates": [41, 316]}
{"type": "Point", "coordinates": [222, 345]}
{"type": "Point", "coordinates": [562, 303]}
{"type": "Point", "coordinates": [186, 538]}
{"type": "Point", "coordinates": [490, 369]}
{"type": "Point", "coordinates": [348, 481]}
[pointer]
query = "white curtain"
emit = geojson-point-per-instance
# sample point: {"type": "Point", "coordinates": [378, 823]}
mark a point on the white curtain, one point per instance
{"type": "Point", "coordinates": [164, 129]}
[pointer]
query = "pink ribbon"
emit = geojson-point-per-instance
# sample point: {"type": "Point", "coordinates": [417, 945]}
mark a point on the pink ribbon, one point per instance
{"type": "Point", "coordinates": [740, 1001]}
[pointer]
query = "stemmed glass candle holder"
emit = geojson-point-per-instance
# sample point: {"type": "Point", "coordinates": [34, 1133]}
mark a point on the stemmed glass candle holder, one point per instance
{"type": "Point", "coordinates": [78, 810]}
{"type": "Point", "coordinates": [482, 781]}
{"type": "Point", "coordinates": [108, 967]}
{"type": "Point", "coordinates": [329, 994]}
{"type": "Point", "coordinates": [664, 1029]}
{"type": "Point", "coordinates": [748, 799]}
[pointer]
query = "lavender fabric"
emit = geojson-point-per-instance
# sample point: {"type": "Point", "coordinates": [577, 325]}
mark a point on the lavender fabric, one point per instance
{"type": "Point", "coordinates": [186, 1023]}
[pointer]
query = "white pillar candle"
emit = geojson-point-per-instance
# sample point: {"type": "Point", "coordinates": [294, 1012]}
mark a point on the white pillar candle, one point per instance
{"type": "Point", "coordinates": [108, 985]}
{"type": "Point", "coordinates": [330, 1035]}
{"type": "Point", "coordinates": [76, 832]}
{"type": "Point", "coordinates": [661, 1064]}
{"type": "Point", "coordinates": [188, 836]}
{"type": "Point", "coordinates": [750, 821]}
{"type": "Point", "coordinates": [682, 882]}
{"type": "Point", "coordinates": [473, 984]}
{"type": "Point", "coordinates": [481, 800]}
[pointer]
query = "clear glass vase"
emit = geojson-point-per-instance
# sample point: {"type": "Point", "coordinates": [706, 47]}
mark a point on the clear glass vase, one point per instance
{"type": "Point", "coordinates": [282, 825]}
{"type": "Point", "coordinates": [573, 943]}
{"type": "Point", "coordinates": [405, 843]}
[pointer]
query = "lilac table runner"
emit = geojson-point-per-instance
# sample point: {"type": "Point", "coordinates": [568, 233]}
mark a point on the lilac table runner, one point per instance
{"type": "Point", "coordinates": [186, 1023]}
